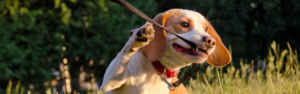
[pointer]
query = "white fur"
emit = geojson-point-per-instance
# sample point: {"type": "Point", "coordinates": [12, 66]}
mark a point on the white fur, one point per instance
{"type": "Point", "coordinates": [132, 72]}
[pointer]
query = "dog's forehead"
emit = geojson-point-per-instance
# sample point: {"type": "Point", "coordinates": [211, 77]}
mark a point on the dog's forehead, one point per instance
{"type": "Point", "coordinates": [179, 13]}
{"type": "Point", "coordinates": [197, 18]}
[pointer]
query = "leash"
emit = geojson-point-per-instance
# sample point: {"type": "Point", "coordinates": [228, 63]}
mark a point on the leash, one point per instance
{"type": "Point", "coordinates": [142, 15]}
{"type": "Point", "coordinates": [193, 45]}
{"type": "Point", "coordinates": [181, 80]}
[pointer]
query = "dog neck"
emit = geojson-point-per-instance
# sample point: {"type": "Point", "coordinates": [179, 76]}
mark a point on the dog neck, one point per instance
{"type": "Point", "coordinates": [161, 69]}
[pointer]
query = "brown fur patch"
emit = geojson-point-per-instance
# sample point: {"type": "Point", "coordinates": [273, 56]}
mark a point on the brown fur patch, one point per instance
{"type": "Point", "coordinates": [176, 18]}
{"type": "Point", "coordinates": [157, 47]}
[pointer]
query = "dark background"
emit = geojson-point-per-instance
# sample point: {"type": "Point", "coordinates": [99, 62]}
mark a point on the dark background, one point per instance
{"type": "Point", "coordinates": [35, 35]}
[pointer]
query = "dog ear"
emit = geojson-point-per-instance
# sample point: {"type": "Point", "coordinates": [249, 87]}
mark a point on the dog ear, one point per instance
{"type": "Point", "coordinates": [221, 56]}
{"type": "Point", "coordinates": [157, 47]}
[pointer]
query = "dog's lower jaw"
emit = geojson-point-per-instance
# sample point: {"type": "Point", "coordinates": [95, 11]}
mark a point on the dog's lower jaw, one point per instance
{"type": "Point", "coordinates": [173, 64]}
{"type": "Point", "coordinates": [173, 61]}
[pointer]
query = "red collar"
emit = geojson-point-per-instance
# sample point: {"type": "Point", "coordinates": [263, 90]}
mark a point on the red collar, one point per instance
{"type": "Point", "coordinates": [160, 69]}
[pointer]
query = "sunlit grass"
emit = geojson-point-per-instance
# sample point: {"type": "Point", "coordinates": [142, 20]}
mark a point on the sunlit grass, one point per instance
{"type": "Point", "coordinates": [280, 75]}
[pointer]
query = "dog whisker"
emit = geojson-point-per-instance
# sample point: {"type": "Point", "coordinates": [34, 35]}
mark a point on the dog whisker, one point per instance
{"type": "Point", "coordinates": [218, 51]}
{"type": "Point", "coordinates": [218, 47]}
{"type": "Point", "coordinates": [219, 56]}
{"type": "Point", "coordinates": [214, 54]}
{"type": "Point", "coordinates": [208, 16]}
{"type": "Point", "coordinates": [212, 22]}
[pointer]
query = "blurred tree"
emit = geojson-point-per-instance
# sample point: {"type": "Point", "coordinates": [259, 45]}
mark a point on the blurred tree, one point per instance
{"type": "Point", "coordinates": [35, 35]}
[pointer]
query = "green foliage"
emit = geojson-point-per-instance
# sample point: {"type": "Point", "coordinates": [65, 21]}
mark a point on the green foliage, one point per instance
{"type": "Point", "coordinates": [35, 35]}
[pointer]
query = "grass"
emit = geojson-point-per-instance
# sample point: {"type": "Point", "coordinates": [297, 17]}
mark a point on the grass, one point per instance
{"type": "Point", "coordinates": [280, 75]}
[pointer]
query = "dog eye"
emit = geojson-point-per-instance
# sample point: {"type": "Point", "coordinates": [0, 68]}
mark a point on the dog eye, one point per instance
{"type": "Point", "coordinates": [206, 28]}
{"type": "Point", "coordinates": [184, 24]}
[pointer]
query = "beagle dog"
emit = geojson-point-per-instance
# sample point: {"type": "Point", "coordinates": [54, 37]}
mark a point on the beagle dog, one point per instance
{"type": "Point", "coordinates": [151, 50]}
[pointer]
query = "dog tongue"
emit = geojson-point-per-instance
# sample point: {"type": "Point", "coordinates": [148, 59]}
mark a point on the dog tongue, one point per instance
{"type": "Point", "coordinates": [178, 48]}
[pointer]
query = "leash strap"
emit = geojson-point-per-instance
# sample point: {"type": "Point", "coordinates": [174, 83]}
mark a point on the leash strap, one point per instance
{"type": "Point", "coordinates": [142, 15]}
{"type": "Point", "coordinates": [177, 83]}
{"type": "Point", "coordinates": [186, 76]}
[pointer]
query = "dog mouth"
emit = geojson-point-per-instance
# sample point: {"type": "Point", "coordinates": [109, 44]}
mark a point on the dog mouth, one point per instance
{"type": "Point", "coordinates": [190, 51]}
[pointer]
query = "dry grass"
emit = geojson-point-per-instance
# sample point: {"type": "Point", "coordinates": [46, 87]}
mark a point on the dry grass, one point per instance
{"type": "Point", "coordinates": [280, 77]}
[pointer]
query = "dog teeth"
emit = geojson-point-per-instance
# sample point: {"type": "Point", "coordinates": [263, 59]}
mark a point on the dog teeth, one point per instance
{"type": "Point", "coordinates": [197, 50]}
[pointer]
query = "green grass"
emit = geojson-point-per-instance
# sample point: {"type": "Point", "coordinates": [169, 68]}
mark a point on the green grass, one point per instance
{"type": "Point", "coordinates": [282, 76]}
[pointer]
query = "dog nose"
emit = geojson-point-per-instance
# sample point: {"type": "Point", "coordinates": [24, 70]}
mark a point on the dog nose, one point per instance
{"type": "Point", "coordinates": [209, 41]}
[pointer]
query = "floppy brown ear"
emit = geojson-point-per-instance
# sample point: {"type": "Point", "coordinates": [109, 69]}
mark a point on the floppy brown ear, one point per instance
{"type": "Point", "coordinates": [157, 47]}
{"type": "Point", "coordinates": [221, 56]}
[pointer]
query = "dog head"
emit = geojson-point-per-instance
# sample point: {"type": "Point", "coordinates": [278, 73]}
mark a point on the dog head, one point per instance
{"type": "Point", "coordinates": [192, 26]}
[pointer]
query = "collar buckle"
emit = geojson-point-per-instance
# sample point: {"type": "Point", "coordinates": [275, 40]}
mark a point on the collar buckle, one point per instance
{"type": "Point", "coordinates": [170, 86]}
